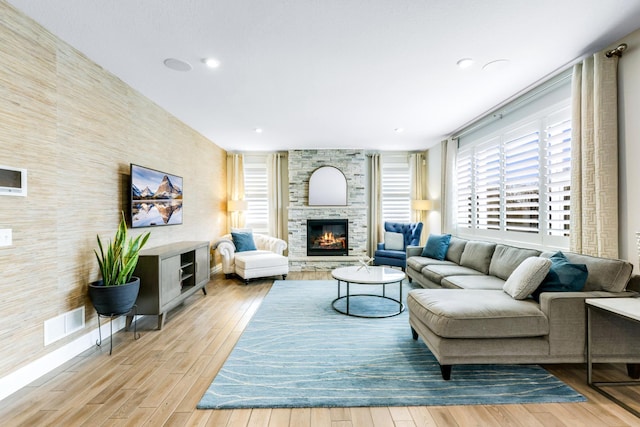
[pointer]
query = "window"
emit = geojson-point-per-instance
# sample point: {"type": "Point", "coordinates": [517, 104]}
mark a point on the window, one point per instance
{"type": "Point", "coordinates": [522, 179]}
{"type": "Point", "coordinates": [256, 193]}
{"type": "Point", "coordinates": [514, 184]}
{"type": "Point", "coordinates": [558, 175]}
{"type": "Point", "coordinates": [396, 188]}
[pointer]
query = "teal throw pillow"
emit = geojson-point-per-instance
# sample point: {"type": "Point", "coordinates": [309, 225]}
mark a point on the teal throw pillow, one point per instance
{"type": "Point", "coordinates": [563, 276]}
{"type": "Point", "coordinates": [437, 246]}
{"type": "Point", "coordinates": [243, 242]}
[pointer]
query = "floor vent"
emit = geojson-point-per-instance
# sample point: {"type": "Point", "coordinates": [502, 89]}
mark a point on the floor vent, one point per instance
{"type": "Point", "coordinates": [65, 324]}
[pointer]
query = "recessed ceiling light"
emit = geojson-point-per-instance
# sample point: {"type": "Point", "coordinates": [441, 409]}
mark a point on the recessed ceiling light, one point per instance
{"type": "Point", "coordinates": [398, 130]}
{"type": "Point", "coordinates": [211, 62]}
{"type": "Point", "coordinates": [177, 64]}
{"type": "Point", "coordinates": [258, 130]}
{"type": "Point", "coordinates": [498, 64]}
{"type": "Point", "coordinates": [465, 63]}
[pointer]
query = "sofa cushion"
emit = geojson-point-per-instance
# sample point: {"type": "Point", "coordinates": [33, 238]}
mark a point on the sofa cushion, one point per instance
{"type": "Point", "coordinates": [393, 241]}
{"type": "Point", "coordinates": [243, 241]}
{"type": "Point", "coordinates": [477, 255]}
{"type": "Point", "coordinates": [260, 260]}
{"type": "Point", "coordinates": [436, 272]}
{"type": "Point", "coordinates": [470, 313]}
{"type": "Point", "coordinates": [506, 258]}
{"type": "Point", "coordinates": [472, 282]}
{"type": "Point", "coordinates": [527, 277]}
{"type": "Point", "coordinates": [437, 245]}
{"type": "Point", "coordinates": [605, 274]}
{"type": "Point", "coordinates": [384, 253]}
{"type": "Point", "coordinates": [562, 277]}
{"type": "Point", "coordinates": [419, 262]}
{"type": "Point", "coordinates": [456, 247]}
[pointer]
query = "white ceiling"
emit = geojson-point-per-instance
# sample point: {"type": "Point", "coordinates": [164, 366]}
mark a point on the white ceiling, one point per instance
{"type": "Point", "coordinates": [333, 73]}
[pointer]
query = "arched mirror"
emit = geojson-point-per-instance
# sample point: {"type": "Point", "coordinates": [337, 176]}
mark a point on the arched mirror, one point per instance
{"type": "Point", "coordinates": [327, 187]}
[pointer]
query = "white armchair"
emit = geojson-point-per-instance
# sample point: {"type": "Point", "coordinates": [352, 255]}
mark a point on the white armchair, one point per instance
{"type": "Point", "coordinates": [250, 267]}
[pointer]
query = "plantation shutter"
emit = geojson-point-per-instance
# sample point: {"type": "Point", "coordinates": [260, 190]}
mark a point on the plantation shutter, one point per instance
{"type": "Point", "coordinates": [522, 179]}
{"type": "Point", "coordinates": [256, 194]}
{"type": "Point", "coordinates": [464, 192]}
{"type": "Point", "coordinates": [558, 173]}
{"type": "Point", "coordinates": [487, 166]}
{"type": "Point", "coordinates": [396, 189]}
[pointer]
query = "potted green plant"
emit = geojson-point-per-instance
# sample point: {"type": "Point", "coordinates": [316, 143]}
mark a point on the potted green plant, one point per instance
{"type": "Point", "coordinates": [116, 293]}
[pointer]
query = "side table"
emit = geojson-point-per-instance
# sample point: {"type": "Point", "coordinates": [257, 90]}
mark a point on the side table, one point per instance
{"type": "Point", "coordinates": [626, 308]}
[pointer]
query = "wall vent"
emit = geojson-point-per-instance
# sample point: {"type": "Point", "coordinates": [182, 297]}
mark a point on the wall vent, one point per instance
{"type": "Point", "coordinates": [63, 325]}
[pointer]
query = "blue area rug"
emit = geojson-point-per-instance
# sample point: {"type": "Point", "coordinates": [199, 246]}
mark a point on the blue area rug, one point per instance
{"type": "Point", "coordinates": [297, 351]}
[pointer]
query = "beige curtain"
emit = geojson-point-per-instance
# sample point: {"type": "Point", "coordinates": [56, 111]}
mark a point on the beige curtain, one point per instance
{"type": "Point", "coordinates": [278, 190]}
{"type": "Point", "coordinates": [418, 170]}
{"type": "Point", "coordinates": [235, 187]}
{"type": "Point", "coordinates": [594, 157]}
{"type": "Point", "coordinates": [447, 191]}
{"type": "Point", "coordinates": [374, 228]}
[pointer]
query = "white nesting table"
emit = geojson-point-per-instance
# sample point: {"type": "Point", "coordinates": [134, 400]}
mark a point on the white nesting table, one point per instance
{"type": "Point", "coordinates": [626, 308]}
{"type": "Point", "coordinates": [370, 275]}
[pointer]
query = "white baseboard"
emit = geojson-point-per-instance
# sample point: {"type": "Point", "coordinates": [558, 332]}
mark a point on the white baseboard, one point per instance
{"type": "Point", "coordinates": [27, 374]}
{"type": "Point", "coordinates": [22, 377]}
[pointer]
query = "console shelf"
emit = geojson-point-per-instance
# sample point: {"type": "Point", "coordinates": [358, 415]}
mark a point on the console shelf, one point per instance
{"type": "Point", "coordinates": [168, 275]}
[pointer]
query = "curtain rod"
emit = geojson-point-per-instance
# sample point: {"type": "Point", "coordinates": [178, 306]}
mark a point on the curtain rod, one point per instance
{"type": "Point", "coordinates": [512, 104]}
{"type": "Point", "coordinates": [617, 51]}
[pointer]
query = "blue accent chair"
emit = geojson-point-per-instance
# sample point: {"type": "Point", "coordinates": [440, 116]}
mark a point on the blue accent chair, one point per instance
{"type": "Point", "coordinates": [398, 258]}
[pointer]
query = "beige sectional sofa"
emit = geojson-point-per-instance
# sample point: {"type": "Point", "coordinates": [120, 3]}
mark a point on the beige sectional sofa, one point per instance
{"type": "Point", "coordinates": [465, 317]}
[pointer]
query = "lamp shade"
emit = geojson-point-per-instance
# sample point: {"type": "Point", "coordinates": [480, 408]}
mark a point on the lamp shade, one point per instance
{"type": "Point", "coordinates": [237, 205]}
{"type": "Point", "coordinates": [421, 205]}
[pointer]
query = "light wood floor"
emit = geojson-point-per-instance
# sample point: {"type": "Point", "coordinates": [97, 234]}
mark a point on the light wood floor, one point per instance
{"type": "Point", "coordinates": [158, 379]}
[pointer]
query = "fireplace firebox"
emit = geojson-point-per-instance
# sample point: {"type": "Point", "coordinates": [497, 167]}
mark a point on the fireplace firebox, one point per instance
{"type": "Point", "coordinates": [327, 237]}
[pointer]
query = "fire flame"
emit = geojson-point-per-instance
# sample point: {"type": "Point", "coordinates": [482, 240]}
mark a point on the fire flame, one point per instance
{"type": "Point", "coordinates": [328, 238]}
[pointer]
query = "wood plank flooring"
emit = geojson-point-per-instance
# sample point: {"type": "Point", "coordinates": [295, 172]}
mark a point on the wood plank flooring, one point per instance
{"type": "Point", "coordinates": [158, 379]}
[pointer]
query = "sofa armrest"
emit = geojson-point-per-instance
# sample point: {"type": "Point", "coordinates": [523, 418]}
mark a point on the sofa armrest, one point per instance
{"type": "Point", "coordinates": [269, 243]}
{"type": "Point", "coordinates": [567, 320]}
{"type": "Point", "coordinates": [414, 251]}
{"type": "Point", "coordinates": [226, 249]}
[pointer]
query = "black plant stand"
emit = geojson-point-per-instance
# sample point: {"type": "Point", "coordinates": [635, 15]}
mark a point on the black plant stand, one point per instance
{"type": "Point", "coordinates": [131, 313]}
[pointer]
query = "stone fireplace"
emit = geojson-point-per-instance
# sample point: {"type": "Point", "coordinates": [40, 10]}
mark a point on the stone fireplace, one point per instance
{"type": "Point", "coordinates": [327, 237]}
{"type": "Point", "coordinates": [302, 163]}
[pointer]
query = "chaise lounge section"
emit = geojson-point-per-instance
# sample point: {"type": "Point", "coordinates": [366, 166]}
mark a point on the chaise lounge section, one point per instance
{"type": "Point", "coordinates": [465, 317]}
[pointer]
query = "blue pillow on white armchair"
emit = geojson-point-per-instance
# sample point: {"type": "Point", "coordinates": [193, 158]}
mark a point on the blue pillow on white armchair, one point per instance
{"type": "Point", "coordinates": [243, 241]}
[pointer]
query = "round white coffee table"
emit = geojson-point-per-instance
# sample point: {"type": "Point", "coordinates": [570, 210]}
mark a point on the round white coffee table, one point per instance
{"type": "Point", "coordinates": [373, 275]}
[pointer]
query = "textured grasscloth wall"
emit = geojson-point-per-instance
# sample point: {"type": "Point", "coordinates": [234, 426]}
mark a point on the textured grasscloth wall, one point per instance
{"type": "Point", "coordinates": [76, 128]}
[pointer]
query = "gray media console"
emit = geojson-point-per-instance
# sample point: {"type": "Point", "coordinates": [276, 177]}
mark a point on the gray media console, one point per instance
{"type": "Point", "coordinates": [168, 275]}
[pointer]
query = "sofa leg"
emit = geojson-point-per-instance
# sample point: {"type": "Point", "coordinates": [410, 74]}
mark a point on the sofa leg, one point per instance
{"type": "Point", "coordinates": [445, 370]}
{"type": "Point", "coordinates": [410, 279]}
{"type": "Point", "coordinates": [284, 277]}
{"type": "Point", "coordinates": [633, 370]}
{"type": "Point", "coordinates": [414, 334]}
{"type": "Point", "coordinates": [246, 281]}
{"type": "Point", "coordinates": [227, 276]}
